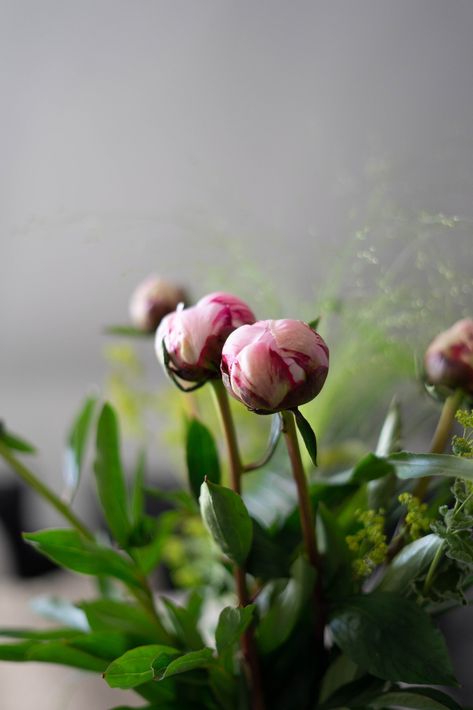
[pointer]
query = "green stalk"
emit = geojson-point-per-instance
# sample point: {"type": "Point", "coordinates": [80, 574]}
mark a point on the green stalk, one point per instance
{"type": "Point", "coordinates": [441, 436]}
{"type": "Point", "coordinates": [437, 446]}
{"type": "Point", "coordinates": [433, 567]}
{"type": "Point", "coordinates": [236, 469]}
{"type": "Point", "coordinates": [305, 507]}
{"type": "Point", "coordinates": [143, 596]}
{"type": "Point", "coordinates": [308, 533]}
{"type": "Point", "coordinates": [44, 491]}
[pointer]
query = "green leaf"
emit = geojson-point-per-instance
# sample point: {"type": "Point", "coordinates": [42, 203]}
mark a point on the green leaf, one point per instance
{"type": "Point", "coordinates": [392, 638]}
{"type": "Point", "coordinates": [62, 653]}
{"type": "Point", "coordinates": [355, 694]}
{"type": "Point", "coordinates": [409, 564]}
{"type": "Point", "coordinates": [290, 597]}
{"type": "Point", "coordinates": [40, 634]}
{"type": "Point", "coordinates": [70, 549]}
{"type": "Point", "coordinates": [308, 435]}
{"type": "Point", "coordinates": [340, 672]}
{"type": "Point", "coordinates": [136, 667]}
{"type": "Point", "coordinates": [188, 662]}
{"type": "Point", "coordinates": [15, 651]}
{"type": "Point", "coordinates": [182, 500]}
{"type": "Point", "coordinates": [337, 557]}
{"type": "Point", "coordinates": [114, 615]}
{"type": "Point", "coordinates": [148, 556]}
{"type": "Point", "coordinates": [390, 435]}
{"type": "Point", "coordinates": [273, 440]}
{"type": "Point", "coordinates": [52, 651]}
{"type": "Point", "coordinates": [102, 644]}
{"type": "Point", "coordinates": [415, 699]}
{"type": "Point", "coordinates": [227, 520]}
{"type": "Point", "coordinates": [408, 465]}
{"type": "Point", "coordinates": [76, 444]}
{"type": "Point", "coordinates": [110, 477]}
{"type": "Point", "coordinates": [138, 492]}
{"type": "Point", "coordinates": [267, 560]}
{"type": "Point", "coordinates": [201, 456]}
{"type": "Point", "coordinates": [370, 468]}
{"type": "Point", "coordinates": [183, 622]}
{"type": "Point", "coordinates": [13, 441]}
{"type": "Point", "coordinates": [232, 623]}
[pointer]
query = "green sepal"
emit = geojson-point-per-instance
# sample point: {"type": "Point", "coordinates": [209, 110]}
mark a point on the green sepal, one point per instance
{"type": "Point", "coordinates": [308, 435]}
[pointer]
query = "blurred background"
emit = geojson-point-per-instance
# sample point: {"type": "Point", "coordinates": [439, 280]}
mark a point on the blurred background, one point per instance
{"type": "Point", "coordinates": [312, 156]}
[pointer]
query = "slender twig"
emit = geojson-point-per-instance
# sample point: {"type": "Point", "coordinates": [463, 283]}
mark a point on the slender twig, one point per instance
{"type": "Point", "coordinates": [247, 640]}
{"type": "Point", "coordinates": [44, 491]}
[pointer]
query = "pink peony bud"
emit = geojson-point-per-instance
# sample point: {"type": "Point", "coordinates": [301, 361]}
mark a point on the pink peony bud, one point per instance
{"type": "Point", "coordinates": [194, 337]}
{"type": "Point", "coordinates": [274, 364]}
{"type": "Point", "coordinates": [152, 300]}
{"type": "Point", "coordinates": [449, 357]}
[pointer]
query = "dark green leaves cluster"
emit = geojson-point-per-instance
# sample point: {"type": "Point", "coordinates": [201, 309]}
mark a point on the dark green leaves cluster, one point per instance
{"type": "Point", "coordinates": [387, 635]}
{"type": "Point", "coordinates": [174, 654]}
{"type": "Point", "coordinates": [456, 524]}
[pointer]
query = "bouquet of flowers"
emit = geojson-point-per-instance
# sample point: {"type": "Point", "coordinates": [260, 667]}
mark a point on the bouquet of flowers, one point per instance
{"type": "Point", "coordinates": [331, 605]}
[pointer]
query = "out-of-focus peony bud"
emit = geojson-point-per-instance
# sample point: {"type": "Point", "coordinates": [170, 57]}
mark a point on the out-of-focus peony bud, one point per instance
{"type": "Point", "coordinates": [193, 337]}
{"type": "Point", "coordinates": [274, 364]}
{"type": "Point", "coordinates": [152, 300]}
{"type": "Point", "coordinates": [449, 357]}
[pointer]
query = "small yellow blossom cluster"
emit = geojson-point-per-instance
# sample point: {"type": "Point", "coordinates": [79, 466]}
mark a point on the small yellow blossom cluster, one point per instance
{"type": "Point", "coordinates": [369, 543]}
{"type": "Point", "coordinates": [463, 445]}
{"type": "Point", "coordinates": [417, 520]}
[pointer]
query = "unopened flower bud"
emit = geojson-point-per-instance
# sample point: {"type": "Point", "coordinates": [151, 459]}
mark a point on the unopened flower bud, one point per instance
{"type": "Point", "coordinates": [193, 337]}
{"type": "Point", "coordinates": [274, 364]}
{"type": "Point", "coordinates": [449, 358]}
{"type": "Point", "coordinates": [152, 300]}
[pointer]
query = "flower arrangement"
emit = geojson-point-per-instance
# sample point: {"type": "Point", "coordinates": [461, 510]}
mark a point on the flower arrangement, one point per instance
{"type": "Point", "coordinates": [334, 605]}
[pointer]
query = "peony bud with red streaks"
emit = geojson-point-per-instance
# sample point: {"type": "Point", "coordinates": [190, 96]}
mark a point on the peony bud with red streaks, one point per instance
{"type": "Point", "coordinates": [152, 299]}
{"type": "Point", "coordinates": [193, 337]}
{"type": "Point", "coordinates": [274, 364]}
{"type": "Point", "coordinates": [449, 358]}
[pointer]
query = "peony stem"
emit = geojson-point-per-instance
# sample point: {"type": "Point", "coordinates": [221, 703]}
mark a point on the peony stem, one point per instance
{"type": "Point", "coordinates": [305, 507]}
{"type": "Point", "coordinates": [228, 426]}
{"type": "Point", "coordinates": [308, 532]}
{"type": "Point", "coordinates": [248, 646]}
{"type": "Point", "coordinates": [441, 436]}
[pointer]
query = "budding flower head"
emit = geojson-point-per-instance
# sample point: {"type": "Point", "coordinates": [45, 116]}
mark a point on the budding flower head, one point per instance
{"type": "Point", "coordinates": [274, 364]}
{"type": "Point", "coordinates": [189, 341]}
{"type": "Point", "coordinates": [449, 358]}
{"type": "Point", "coordinates": [152, 299]}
